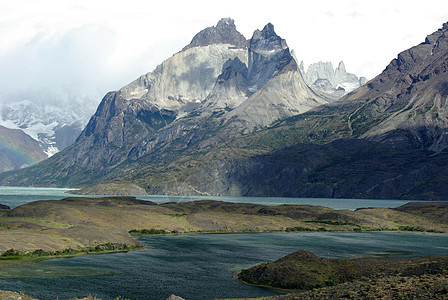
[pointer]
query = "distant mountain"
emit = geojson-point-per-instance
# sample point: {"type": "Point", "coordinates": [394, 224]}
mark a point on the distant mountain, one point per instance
{"type": "Point", "coordinates": [331, 83]}
{"type": "Point", "coordinates": [18, 150]}
{"type": "Point", "coordinates": [48, 118]}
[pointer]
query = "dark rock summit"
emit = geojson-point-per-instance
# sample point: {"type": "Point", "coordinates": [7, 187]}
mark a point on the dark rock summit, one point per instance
{"type": "Point", "coordinates": [267, 40]}
{"type": "Point", "coordinates": [223, 33]}
{"type": "Point", "coordinates": [268, 55]}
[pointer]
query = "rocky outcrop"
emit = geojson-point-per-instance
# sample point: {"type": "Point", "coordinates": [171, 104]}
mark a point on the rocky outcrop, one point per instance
{"type": "Point", "coordinates": [305, 270]}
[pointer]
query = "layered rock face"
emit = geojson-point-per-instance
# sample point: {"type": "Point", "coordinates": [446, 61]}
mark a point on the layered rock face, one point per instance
{"type": "Point", "coordinates": [276, 88]}
{"type": "Point", "coordinates": [218, 83]}
{"type": "Point", "coordinates": [331, 83]}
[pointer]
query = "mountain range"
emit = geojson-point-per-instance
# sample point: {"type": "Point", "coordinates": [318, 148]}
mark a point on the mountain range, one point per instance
{"type": "Point", "coordinates": [52, 120]}
{"type": "Point", "coordinates": [230, 116]}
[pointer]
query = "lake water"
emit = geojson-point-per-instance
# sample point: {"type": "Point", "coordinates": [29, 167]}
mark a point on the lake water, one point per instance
{"type": "Point", "coordinates": [201, 266]}
{"type": "Point", "coordinates": [16, 196]}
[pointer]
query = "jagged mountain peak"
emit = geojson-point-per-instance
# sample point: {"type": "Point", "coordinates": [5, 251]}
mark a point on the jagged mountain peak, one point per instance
{"type": "Point", "coordinates": [224, 23]}
{"type": "Point", "coordinates": [223, 33]}
{"type": "Point", "coordinates": [208, 91]}
{"type": "Point", "coordinates": [267, 40]}
{"type": "Point", "coordinates": [331, 83]}
{"type": "Point", "coordinates": [341, 67]}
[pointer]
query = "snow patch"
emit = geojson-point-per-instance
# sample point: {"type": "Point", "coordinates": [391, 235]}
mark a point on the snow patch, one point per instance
{"type": "Point", "coordinates": [9, 124]}
{"type": "Point", "coordinates": [51, 150]}
{"type": "Point", "coordinates": [348, 86]}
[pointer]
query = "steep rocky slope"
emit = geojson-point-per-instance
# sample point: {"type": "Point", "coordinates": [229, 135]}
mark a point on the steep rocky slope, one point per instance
{"type": "Point", "coordinates": [407, 102]}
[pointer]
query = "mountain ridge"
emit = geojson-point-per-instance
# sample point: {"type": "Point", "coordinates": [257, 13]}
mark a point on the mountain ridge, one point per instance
{"type": "Point", "coordinates": [247, 140]}
{"type": "Point", "coordinates": [169, 109]}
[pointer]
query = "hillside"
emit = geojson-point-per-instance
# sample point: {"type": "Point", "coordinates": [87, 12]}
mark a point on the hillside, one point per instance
{"type": "Point", "coordinates": [83, 222]}
{"type": "Point", "coordinates": [18, 150]}
{"type": "Point", "coordinates": [304, 270]}
{"type": "Point", "coordinates": [361, 278]}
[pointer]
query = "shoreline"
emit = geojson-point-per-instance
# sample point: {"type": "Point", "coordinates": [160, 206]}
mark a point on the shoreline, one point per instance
{"type": "Point", "coordinates": [28, 258]}
{"type": "Point", "coordinates": [80, 226]}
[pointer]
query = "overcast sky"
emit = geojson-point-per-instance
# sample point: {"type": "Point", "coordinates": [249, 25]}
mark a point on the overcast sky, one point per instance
{"type": "Point", "coordinates": [102, 45]}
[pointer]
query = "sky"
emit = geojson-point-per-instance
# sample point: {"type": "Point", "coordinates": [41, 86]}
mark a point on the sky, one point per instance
{"type": "Point", "coordinates": [91, 47]}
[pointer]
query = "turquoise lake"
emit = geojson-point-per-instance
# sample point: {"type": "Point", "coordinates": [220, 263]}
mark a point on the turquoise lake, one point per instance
{"type": "Point", "coordinates": [16, 196]}
{"type": "Point", "coordinates": [201, 266]}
